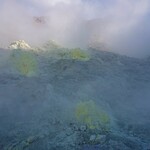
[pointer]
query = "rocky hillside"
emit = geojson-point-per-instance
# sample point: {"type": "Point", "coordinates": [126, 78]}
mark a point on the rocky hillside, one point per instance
{"type": "Point", "coordinates": [54, 98]}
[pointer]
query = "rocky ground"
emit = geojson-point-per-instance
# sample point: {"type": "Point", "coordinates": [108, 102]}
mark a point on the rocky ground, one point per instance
{"type": "Point", "coordinates": [38, 110]}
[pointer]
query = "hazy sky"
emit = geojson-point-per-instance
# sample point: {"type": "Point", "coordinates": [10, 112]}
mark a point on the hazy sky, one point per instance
{"type": "Point", "coordinates": [121, 25]}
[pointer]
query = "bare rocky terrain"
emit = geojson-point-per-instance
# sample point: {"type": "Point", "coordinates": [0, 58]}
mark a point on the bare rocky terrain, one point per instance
{"type": "Point", "coordinates": [37, 112]}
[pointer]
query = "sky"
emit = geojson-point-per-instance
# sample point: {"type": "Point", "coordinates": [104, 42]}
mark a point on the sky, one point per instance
{"type": "Point", "coordinates": [120, 26]}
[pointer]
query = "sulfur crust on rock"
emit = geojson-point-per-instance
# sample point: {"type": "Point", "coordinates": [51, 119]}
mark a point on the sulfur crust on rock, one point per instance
{"type": "Point", "coordinates": [24, 62]}
{"type": "Point", "coordinates": [89, 113]}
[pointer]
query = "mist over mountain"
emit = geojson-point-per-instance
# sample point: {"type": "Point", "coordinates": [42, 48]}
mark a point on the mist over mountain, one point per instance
{"type": "Point", "coordinates": [121, 26]}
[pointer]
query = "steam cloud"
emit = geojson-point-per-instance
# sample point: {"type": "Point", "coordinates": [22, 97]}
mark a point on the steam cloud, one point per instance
{"type": "Point", "coordinates": [120, 26]}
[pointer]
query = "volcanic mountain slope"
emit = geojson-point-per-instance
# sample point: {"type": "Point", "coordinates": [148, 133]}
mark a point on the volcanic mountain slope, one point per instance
{"type": "Point", "coordinates": [74, 100]}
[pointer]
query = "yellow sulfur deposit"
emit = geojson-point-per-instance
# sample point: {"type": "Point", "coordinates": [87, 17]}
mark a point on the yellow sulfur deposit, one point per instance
{"type": "Point", "coordinates": [89, 113]}
{"type": "Point", "coordinates": [79, 54]}
{"type": "Point", "coordinates": [25, 63]}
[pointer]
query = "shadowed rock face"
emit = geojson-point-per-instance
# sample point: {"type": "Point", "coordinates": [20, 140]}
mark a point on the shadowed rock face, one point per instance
{"type": "Point", "coordinates": [39, 112]}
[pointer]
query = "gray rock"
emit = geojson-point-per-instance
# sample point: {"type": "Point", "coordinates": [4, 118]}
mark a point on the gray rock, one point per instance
{"type": "Point", "coordinates": [83, 128]}
{"type": "Point", "coordinates": [100, 138]}
{"type": "Point", "coordinates": [92, 138]}
{"type": "Point", "coordinates": [69, 131]}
